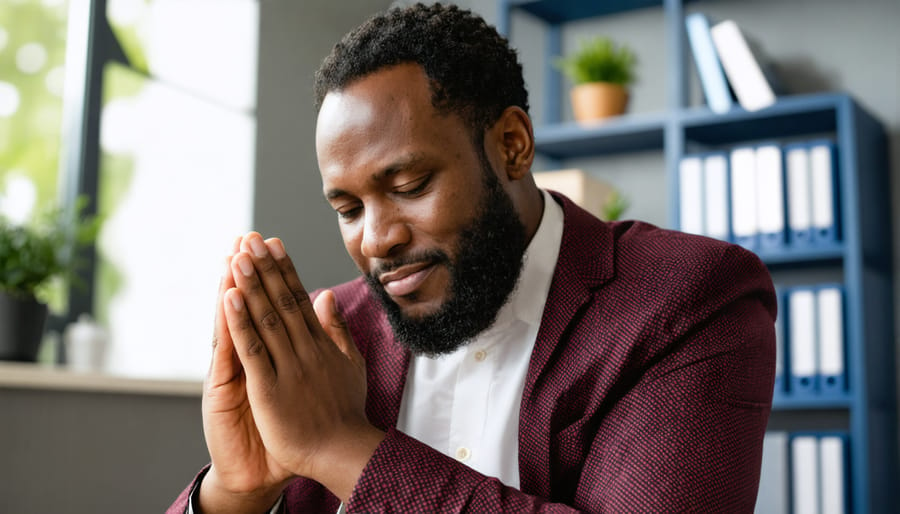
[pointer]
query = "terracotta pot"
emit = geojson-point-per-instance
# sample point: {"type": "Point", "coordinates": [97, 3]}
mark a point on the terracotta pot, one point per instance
{"type": "Point", "coordinates": [21, 327]}
{"type": "Point", "coordinates": [598, 100]}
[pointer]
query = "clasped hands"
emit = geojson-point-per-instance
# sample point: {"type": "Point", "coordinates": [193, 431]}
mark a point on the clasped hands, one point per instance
{"type": "Point", "coordinates": [286, 389]}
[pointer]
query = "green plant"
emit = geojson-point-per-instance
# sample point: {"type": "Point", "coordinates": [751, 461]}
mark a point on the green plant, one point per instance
{"type": "Point", "coordinates": [599, 60]}
{"type": "Point", "coordinates": [32, 255]}
{"type": "Point", "coordinates": [616, 205]}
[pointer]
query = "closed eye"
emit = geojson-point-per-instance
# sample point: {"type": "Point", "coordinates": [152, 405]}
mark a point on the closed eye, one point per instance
{"type": "Point", "coordinates": [348, 213]}
{"type": "Point", "coordinates": [415, 187]}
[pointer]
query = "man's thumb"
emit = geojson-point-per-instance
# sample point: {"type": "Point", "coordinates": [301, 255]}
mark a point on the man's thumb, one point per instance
{"type": "Point", "coordinates": [334, 324]}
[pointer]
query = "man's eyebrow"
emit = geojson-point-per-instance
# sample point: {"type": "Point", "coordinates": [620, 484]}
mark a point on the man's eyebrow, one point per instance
{"type": "Point", "coordinates": [404, 163]}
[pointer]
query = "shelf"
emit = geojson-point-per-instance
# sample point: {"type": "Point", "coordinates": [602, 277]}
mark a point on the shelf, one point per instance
{"type": "Point", "coordinates": [791, 116]}
{"type": "Point", "coordinates": [788, 256]}
{"type": "Point", "coordinates": [561, 11]}
{"type": "Point", "coordinates": [16, 375]}
{"type": "Point", "coordinates": [787, 402]}
{"type": "Point", "coordinates": [629, 133]}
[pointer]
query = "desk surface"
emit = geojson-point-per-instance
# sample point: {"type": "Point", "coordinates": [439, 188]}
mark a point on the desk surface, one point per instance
{"type": "Point", "coordinates": [18, 375]}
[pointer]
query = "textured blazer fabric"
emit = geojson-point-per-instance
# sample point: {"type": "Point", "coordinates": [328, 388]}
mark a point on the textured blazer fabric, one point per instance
{"type": "Point", "coordinates": [649, 387]}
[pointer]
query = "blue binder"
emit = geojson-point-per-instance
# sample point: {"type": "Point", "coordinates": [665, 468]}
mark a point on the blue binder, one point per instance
{"type": "Point", "coordinates": [716, 196]}
{"type": "Point", "coordinates": [823, 165]}
{"type": "Point", "coordinates": [800, 329]}
{"type": "Point", "coordinates": [798, 194]}
{"type": "Point", "coordinates": [770, 196]}
{"type": "Point", "coordinates": [742, 175]}
{"type": "Point", "coordinates": [831, 340]}
{"type": "Point", "coordinates": [834, 472]}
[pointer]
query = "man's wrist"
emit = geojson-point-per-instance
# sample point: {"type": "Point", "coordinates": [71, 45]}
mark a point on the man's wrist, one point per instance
{"type": "Point", "coordinates": [211, 497]}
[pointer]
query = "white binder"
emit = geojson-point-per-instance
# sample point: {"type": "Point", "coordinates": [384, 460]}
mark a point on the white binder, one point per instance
{"type": "Point", "coordinates": [805, 474]}
{"type": "Point", "coordinates": [802, 340]}
{"type": "Point", "coordinates": [743, 196]}
{"type": "Point", "coordinates": [824, 205]}
{"type": "Point", "coordinates": [833, 468]}
{"type": "Point", "coordinates": [832, 357]}
{"type": "Point", "coordinates": [690, 194]}
{"type": "Point", "coordinates": [773, 494]}
{"type": "Point", "coordinates": [770, 196]}
{"type": "Point", "coordinates": [799, 195]}
{"type": "Point", "coordinates": [715, 191]}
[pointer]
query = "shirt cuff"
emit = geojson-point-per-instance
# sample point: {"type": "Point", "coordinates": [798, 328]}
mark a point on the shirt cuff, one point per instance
{"type": "Point", "coordinates": [195, 497]}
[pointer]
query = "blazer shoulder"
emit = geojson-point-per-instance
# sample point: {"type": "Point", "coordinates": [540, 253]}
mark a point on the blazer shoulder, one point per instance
{"type": "Point", "coordinates": [675, 256]}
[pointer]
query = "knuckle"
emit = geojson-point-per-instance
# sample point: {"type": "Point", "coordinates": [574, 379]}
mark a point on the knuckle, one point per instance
{"type": "Point", "coordinates": [267, 266]}
{"type": "Point", "coordinates": [244, 325]}
{"type": "Point", "coordinates": [287, 302]}
{"type": "Point", "coordinates": [254, 286]}
{"type": "Point", "coordinates": [215, 341]}
{"type": "Point", "coordinates": [270, 320]}
{"type": "Point", "coordinates": [287, 267]}
{"type": "Point", "coordinates": [300, 296]}
{"type": "Point", "coordinates": [255, 346]}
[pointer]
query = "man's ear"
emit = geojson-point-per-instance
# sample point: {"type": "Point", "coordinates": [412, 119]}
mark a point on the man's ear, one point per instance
{"type": "Point", "coordinates": [514, 137]}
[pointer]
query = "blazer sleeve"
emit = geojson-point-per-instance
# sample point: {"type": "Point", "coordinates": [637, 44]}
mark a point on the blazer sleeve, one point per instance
{"type": "Point", "coordinates": [405, 475]}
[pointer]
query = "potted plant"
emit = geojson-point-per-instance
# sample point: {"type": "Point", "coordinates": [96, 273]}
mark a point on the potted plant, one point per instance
{"type": "Point", "coordinates": [31, 256]}
{"type": "Point", "coordinates": [601, 72]}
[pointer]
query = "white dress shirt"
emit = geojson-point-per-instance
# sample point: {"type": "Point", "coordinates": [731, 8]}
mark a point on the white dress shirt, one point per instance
{"type": "Point", "coordinates": [466, 404]}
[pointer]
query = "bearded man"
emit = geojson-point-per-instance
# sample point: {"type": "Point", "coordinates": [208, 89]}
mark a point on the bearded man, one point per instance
{"type": "Point", "coordinates": [503, 350]}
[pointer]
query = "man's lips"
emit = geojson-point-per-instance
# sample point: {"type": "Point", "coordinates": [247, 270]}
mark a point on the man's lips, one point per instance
{"type": "Point", "coordinates": [406, 279]}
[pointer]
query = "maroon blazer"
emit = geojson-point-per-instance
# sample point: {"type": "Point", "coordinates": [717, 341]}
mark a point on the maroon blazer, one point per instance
{"type": "Point", "coordinates": [649, 387]}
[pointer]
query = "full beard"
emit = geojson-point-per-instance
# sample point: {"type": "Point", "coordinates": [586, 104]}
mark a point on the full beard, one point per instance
{"type": "Point", "coordinates": [484, 275]}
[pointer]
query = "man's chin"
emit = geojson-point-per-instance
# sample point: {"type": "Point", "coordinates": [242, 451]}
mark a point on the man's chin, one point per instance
{"type": "Point", "coordinates": [414, 308]}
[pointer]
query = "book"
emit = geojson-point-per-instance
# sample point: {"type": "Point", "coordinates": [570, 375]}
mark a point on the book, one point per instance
{"type": "Point", "coordinates": [712, 77]}
{"type": "Point", "coordinates": [750, 74]}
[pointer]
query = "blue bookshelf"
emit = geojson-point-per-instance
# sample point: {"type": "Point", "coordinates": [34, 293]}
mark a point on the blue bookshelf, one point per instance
{"type": "Point", "coordinates": [629, 134]}
{"type": "Point", "coordinates": [861, 259]}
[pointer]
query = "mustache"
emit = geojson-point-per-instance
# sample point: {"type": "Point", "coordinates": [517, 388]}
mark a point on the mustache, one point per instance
{"type": "Point", "coordinates": [427, 256]}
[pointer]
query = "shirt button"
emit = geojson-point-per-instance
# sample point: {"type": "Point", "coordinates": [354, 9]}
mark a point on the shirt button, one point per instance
{"type": "Point", "coordinates": [480, 355]}
{"type": "Point", "coordinates": [463, 454]}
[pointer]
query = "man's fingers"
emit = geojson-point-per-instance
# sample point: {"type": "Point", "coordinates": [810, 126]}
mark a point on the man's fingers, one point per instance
{"type": "Point", "coordinates": [223, 367]}
{"type": "Point", "coordinates": [250, 347]}
{"type": "Point", "coordinates": [290, 277]}
{"type": "Point", "coordinates": [267, 319]}
{"type": "Point", "coordinates": [335, 325]}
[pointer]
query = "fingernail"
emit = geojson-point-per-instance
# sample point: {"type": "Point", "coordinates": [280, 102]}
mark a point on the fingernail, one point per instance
{"type": "Point", "coordinates": [258, 247]}
{"type": "Point", "coordinates": [276, 248]}
{"type": "Point", "coordinates": [236, 301]}
{"type": "Point", "coordinates": [245, 265]}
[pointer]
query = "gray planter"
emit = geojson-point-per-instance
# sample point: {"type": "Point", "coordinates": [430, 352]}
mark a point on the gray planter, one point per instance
{"type": "Point", "coordinates": [21, 327]}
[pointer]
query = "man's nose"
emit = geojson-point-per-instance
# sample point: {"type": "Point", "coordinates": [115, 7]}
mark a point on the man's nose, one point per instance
{"type": "Point", "coordinates": [384, 232]}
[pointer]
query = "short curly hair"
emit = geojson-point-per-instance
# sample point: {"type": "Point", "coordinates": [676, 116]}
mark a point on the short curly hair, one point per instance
{"type": "Point", "coordinates": [472, 70]}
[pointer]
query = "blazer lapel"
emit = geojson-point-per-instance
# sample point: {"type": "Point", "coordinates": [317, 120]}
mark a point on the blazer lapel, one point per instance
{"type": "Point", "coordinates": [585, 263]}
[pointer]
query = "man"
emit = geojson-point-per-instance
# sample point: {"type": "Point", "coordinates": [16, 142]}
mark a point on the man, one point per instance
{"type": "Point", "coordinates": [503, 350]}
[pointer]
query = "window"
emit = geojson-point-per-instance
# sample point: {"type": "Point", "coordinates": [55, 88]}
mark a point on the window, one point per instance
{"type": "Point", "coordinates": [176, 176]}
{"type": "Point", "coordinates": [176, 146]}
